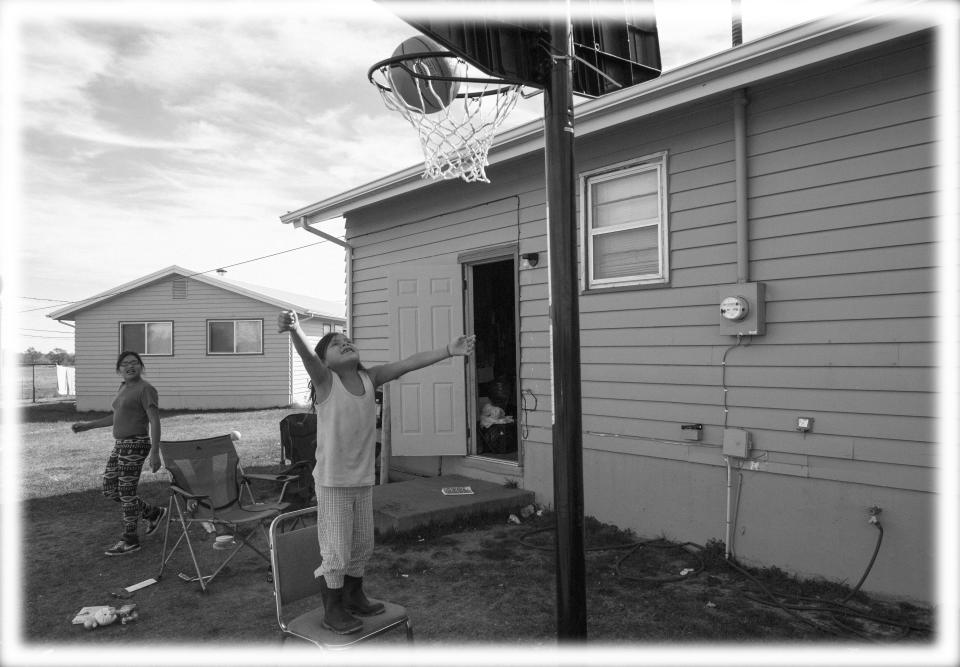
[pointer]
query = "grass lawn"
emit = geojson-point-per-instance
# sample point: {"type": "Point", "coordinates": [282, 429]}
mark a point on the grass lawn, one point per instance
{"type": "Point", "coordinates": [486, 581]}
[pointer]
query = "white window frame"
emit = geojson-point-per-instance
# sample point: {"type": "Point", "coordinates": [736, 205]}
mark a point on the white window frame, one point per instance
{"type": "Point", "coordinates": [656, 162]}
{"type": "Point", "coordinates": [146, 338]}
{"type": "Point", "coordinates": [235, 322]}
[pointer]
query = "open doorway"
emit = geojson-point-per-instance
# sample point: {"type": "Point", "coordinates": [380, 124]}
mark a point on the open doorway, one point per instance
{"type": "Point", "coordinates": [492, 310]}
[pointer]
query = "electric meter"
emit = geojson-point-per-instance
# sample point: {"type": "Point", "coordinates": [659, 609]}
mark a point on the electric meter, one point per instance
{"type": "Point", "coordinates": [734, 308]}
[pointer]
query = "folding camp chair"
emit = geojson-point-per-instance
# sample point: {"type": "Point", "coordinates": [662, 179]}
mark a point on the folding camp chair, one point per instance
{"type": "Point", "coordinates": [295, 555]}
{"type": "Point", "coordinates": [206, 491]}
{"type": "Point", "coordinates": [298, 452]}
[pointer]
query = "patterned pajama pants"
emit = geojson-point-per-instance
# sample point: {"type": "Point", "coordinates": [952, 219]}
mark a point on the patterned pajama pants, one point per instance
{"type": "Point", "coordinates": [120, 479]}
{"type": "Point", "coordinates": [345, 531]}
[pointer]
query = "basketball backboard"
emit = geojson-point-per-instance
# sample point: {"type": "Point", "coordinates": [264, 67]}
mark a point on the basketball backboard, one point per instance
{"type": "Point", "coordinates": [612, 50]}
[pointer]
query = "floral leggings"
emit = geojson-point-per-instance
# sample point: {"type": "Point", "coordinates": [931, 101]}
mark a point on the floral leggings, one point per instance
{"type": "Point", "coordinates": [120, 479]}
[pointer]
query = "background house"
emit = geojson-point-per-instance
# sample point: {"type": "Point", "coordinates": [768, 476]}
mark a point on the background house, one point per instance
{"type": "Point", "coordinates": [798, 172]}
{"type": "Point", "coordinates": [206, 342]}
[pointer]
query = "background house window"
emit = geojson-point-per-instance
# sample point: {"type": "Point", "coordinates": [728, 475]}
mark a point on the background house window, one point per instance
{"type": "Point", "coordinates": [147, 338]}
{"type": "Point", "coordinates": [235, 337]}
{"type": "Point", "coordinates": [625, 224]}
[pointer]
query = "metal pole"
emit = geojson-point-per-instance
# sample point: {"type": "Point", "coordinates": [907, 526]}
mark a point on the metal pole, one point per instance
{"type": "Point", "coordinates": [565, 337]}
{"type": "Point", "coordinates": [33, 371]}
{"type": "Point", "coordinates": [736, 23]}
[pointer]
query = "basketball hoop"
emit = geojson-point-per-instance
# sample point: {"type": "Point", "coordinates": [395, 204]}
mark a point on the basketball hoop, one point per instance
{"type": "Point", "coordinates": [455, 113]}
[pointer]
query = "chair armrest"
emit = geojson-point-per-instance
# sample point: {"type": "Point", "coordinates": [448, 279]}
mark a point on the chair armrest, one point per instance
{"type": "Point", "coordinates": [279, 479]}
{"type": "Point", "coordinates": [298, 467]}
{"type": "Point", "coordinates": [190, 496]}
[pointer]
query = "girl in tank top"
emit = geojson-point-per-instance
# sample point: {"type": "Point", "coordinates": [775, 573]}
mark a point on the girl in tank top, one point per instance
{"type": "Point", "coordinates": [342, 393]}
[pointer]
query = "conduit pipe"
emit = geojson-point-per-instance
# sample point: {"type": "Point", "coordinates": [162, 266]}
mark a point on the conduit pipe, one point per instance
{"type": "Point", "coordinates": [743, 244]}
{"type": "Point", "coordinates": [740, 164]}
{"type": "Point", "coordinates": [727, 533]}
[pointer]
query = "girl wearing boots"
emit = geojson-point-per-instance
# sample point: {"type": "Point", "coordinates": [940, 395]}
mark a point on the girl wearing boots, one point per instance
{"type": "Point", "coordinates": [135, 412]}
{"type": "Point", "coordinates": [342, 392]}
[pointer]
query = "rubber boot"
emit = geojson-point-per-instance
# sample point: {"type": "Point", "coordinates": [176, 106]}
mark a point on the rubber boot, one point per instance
{"type": "Point", "coordinates": [335, 617]}
{"type": "Point", "coordinates": [354, 600]}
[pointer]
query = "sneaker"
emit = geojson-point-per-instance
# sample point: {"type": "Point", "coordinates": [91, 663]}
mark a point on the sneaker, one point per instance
{"type": "Point", "coordinates": [154, 523]}
{"type": "Point", "coordinates": [224, 542]}
{"type": "Point", "coordinates": [122, 548]}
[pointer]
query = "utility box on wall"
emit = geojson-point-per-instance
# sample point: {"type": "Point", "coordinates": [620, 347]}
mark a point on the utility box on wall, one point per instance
{"type": "Point", "coordinates": [743, 309]}
{"type": "Point", "coordinates": [736, 442]}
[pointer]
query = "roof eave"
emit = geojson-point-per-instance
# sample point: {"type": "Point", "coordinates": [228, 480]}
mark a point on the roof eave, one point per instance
{"type": "Point", "coordinates": [68, 313]}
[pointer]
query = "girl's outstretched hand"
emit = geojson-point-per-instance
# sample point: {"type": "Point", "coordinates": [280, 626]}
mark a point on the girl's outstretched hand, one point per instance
{"type": "Point", "coordinates": [462, 346]}
{"type": "Point", "coordinates": [287, 321]}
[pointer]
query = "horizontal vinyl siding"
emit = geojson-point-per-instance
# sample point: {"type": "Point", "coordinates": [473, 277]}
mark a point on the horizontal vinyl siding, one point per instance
{"type": "Point", "coordinates": [190, 378]}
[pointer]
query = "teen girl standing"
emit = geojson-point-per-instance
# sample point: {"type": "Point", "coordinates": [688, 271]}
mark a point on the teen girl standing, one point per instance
{"type": "Point", "coordinates": [135, 412]}
{"type": "Point", "coordinates": [343, 397]}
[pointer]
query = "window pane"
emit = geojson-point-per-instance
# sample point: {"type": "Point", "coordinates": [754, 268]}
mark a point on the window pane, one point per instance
{"type": "Point", "coordinates": [132, 338]}
{"type": "Point", "coordinates": [633, 252]}
{"type": "Point", "coordinates": [630, 198]}
{"type": "Point", "coordinates": [160, 338]}
{"type": "Point", "coordinates": [249, 336]}
{"type": "Point", "coordinates": [220, 337]}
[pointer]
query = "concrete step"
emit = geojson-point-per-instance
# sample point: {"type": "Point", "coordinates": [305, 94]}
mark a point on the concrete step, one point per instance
{"type": "Point", "coordinates": [401, 507]}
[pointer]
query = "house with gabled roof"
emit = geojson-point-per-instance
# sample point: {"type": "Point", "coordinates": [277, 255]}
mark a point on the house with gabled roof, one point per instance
{"type": "Point", "coordinates": [206, 342]}
{"type": "Point", "coordinates": [758, 328]}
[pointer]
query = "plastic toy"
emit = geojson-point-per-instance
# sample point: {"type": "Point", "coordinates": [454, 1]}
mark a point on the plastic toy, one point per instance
{"type": "Point", "coordinates": [94, 617]}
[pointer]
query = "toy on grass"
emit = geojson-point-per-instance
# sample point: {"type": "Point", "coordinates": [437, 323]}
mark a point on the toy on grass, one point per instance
{"type": "Point", "coordinates": [94, 617]}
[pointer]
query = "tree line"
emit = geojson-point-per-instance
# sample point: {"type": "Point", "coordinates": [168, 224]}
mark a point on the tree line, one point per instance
{"type": "Point", "coordinates": [57, 356]}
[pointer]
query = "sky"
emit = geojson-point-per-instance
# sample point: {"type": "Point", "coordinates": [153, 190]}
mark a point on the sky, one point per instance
{"type": "Point", "coordinates": [142, 135]}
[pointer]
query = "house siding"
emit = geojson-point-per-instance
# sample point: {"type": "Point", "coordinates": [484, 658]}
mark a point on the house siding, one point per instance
{"type": "Point", "coordinates": [841, 170]}
{"type": "Point", "coordinates": [191, 378]}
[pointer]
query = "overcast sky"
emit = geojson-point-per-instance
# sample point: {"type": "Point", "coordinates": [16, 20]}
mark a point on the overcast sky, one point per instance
{"type": "Point", "coordinates": [153, 134]}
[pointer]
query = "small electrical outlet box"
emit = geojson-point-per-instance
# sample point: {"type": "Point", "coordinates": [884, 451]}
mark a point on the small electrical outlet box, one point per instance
{"type": "Point", "coordinates": [736, 442]}
{"type": "Point", "coordinates": [691, 431]}
{"type": "Point", "coordinates": [743, 309]}
{"type": "Point", "coordinates": [804, 424]}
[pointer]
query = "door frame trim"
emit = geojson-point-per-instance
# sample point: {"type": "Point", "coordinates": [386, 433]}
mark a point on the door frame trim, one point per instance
{"type": "Point", "coordinates": [497, 253]}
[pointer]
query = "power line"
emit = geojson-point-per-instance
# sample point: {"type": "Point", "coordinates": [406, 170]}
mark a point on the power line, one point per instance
{"type": "Point", "coordinates": [198, 273]}
{"type": "Point", "coordinates": [56, 331]}
{"type": "Point", "coordinates": [46, 337]}
{"type": "Point", "coordinates": [36, 298]}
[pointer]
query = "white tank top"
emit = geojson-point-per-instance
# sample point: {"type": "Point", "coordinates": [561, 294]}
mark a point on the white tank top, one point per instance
{"type": "Point", "coordinates": [346, 436]}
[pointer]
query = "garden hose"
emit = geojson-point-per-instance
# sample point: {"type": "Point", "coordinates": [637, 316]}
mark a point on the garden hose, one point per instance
{"type": "Point", "coordinates": [633, 546]}
{"type": "Point", "coordinates": [789, 603]}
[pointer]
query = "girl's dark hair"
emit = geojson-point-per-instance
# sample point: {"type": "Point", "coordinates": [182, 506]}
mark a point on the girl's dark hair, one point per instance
{"type": "Point", "coordinates": [321, 350]}
{"type": "Point", "coordinates": [129, 353]}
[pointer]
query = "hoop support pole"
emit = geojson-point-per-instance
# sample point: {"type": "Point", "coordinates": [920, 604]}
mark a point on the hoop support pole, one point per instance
{"type": "Point", "coordinates": [565, 338]}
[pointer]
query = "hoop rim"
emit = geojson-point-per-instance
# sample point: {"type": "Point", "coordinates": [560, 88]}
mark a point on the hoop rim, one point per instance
{"type": "Point", "coordinates": [420, 55]}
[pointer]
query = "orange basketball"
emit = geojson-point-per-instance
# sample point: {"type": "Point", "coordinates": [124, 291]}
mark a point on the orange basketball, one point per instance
{"type": "Point", "coordinates": [423, 94]}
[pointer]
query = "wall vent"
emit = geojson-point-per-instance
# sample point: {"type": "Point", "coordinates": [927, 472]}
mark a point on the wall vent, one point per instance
{"type": "Point", "coordinates": [179, 288]}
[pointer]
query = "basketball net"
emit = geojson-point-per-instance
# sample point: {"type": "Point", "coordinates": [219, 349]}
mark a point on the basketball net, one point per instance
{"type": "Point", "coordinates": [457, 138]}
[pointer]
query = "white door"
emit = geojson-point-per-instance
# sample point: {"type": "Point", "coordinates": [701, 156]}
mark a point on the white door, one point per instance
{"type": "Point", "coordinates": [427, 407]}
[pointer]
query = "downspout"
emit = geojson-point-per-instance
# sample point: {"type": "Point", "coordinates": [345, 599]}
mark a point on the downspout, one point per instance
{"type": "Point", "coordinates": [348, 292]}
